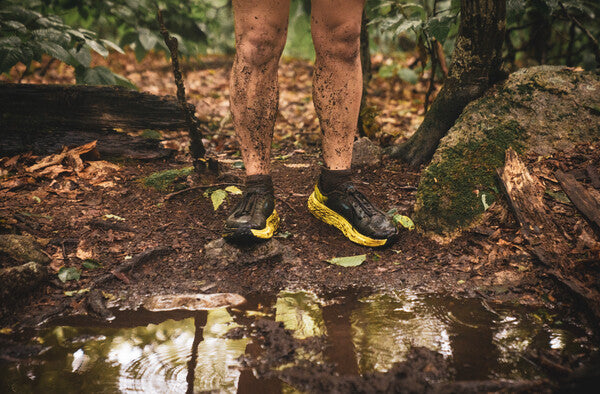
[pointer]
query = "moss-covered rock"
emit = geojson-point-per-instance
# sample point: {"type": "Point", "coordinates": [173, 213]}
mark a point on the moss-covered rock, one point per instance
{"type": "Point", "coordinates": [168, 180]}
{"type": "Point", "coordinates": [541, 109]}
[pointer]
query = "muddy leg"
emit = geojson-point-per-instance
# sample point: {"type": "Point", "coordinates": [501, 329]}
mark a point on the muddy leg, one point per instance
{"type": "Point", "coordinates": [260, 33]}
{"type": "Point", "coordinates": [337, 82]}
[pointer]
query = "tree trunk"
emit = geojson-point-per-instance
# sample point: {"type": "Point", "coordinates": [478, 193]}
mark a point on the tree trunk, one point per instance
{"type": "Point", "coordinates": [365, 62]}
{"type": "Point", "coordinates": [476, 62]}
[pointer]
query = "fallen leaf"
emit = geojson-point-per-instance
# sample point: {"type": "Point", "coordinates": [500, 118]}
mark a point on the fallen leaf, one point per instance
{"type": "Point", "coordinates": [233, 190]}
{"type": "Point", "coordinates": [217, 197]}
{"type": "Point", "coordinates": [348, 261]}
{"type": "Point", "coordinates": [405, 221]}
{"type": "Point", "coordinates": [75, 292]}
{"type": "Point", "coordinates": [84, 252]}
{"type": "Point", "coordinates": [91, 264]}
{"type": "Point", "coordinates": [70, 273]}
{"type": "Point", "coordinates": [115, 217]}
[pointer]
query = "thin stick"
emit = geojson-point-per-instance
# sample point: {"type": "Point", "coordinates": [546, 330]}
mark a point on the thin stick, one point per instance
{"type": "Point", "coordinates": [198, 187]}
{"type": "Point", "coordinates": [196, 146]}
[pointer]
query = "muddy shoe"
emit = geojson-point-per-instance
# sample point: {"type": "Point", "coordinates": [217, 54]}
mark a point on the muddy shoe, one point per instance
{"type": "Point", "coordinates": [254, 218]}
{"type": "Point", "coordinates": [349, 210]}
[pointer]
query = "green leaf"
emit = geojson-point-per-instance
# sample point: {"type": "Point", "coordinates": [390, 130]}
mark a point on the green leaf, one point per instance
{"type": "Point", "coordinates": [233, 190]}
{"type": "Point", "coordinates": [97, 47]}
{"type": "Point", "coordinates": [439, 27]}
{"type": "Point", "coordinates": [217, 197]}
{"type": "Point", "coordinates": [348, 261]}
{"type": "Point", "coordinates": [405, 221]}
{"type": "Point", "coordinates": [91, 264]}
{"type": "Point", "coordinates": [147, 38]}
{"type": "Point", "coordinates": [112, 45]}
{"type": "Point", "coordinates": [15, 25]}
{"type": "Point", "coordinates": [70, 273]}
{"type": "Point", "coordinates": [55, 50]}
{"type": "Point", "coordinates": [82, 56]}
{"type": "Point", "coordinates": [406, 25]}
{"type": "Point", "coordinates": [96, 76]}
{"type": "Point", "coordinates": [387, 71]}
{"type": "Point", "coordinates": [408, 75]}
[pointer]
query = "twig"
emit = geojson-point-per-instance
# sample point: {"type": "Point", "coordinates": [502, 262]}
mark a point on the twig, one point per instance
{"type": "Point", "coordinates": [131, 264]}
{"type": "Point", "coordinates": [287, 204]}
{"type": "Point", "coordinates": [593, 40]}
{"type": "Point", "coordinates": [196, 146]}
{"type": "Point", "coordinates": [198, 187]}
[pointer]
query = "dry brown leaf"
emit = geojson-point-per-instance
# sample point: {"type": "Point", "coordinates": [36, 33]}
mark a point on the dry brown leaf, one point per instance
{"type": "Point", "coordinates": [84, 250]}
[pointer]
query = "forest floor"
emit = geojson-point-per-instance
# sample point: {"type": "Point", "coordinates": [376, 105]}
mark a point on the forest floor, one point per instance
{"type": "Point", "coordinates": [62, 208]}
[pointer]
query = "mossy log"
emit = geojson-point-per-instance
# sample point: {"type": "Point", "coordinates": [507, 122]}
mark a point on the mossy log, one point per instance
{"type": "Point", "coordinates": [542, 109]}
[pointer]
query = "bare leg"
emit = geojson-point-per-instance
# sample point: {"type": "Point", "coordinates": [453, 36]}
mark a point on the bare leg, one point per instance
{"type": "Point", "coordinates": [338, 76]}
{"type": "Point", "coordinates": [260, 33]}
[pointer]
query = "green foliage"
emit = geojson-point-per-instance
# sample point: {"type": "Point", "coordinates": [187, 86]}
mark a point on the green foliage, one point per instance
{"type": "Point", "coordinates": [199, 25]}
{"type": "Point", "coordinates": [551, 32]}
{"type": "Point", "coordinates": [26, 34]}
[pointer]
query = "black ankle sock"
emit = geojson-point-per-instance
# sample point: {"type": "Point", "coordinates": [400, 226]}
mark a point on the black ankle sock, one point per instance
{"type": "Point", "coordinates": [329, 180]}
{"type": "Point", "coordinates": [260, 181]}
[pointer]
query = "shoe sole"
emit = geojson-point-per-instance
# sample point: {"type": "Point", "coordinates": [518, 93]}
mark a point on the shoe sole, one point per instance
{"type": "Point", "coordinates": [249, 235]}
{"type": "Point", "coordinates": [329, 216]}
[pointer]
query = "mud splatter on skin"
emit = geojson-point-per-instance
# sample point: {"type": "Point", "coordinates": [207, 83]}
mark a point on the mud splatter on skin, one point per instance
{"type": "Point", "coordinates": [337, 78]}
{"type": "Point", "coordinates": [254, 87]}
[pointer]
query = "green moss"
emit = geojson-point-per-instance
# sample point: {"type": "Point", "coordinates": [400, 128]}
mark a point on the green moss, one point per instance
{"type": "Point", "coordinates": [152, 134]}
{"type": "Point", "coordinates": [449, 194]}
{"type": "Point", "coordinates": [168, 180]}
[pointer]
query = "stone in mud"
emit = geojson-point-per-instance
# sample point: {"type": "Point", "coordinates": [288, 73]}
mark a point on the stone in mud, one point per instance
{"type": "Point", "coordinates": [221, 252]}
{"type": "Point", "coordinates": [365, 153]}
{"type": "Point", "coordinates": [22, 248]}
{"type": "Point", "coordinates": [192, 302]}
{"type": "Point", "coordinates": [539, 110]}
{"type": "Point", "coordinates": [20, 279]}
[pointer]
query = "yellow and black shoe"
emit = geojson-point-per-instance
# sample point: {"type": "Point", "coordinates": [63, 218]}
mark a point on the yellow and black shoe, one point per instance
{"type": "Point", "coordinates": [254, 218]}
{"type": "Point", "coordinates": [349, 210]}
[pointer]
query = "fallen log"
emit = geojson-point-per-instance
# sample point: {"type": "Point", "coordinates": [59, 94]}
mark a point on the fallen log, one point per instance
{"type": "Point", "coordinates": [31, 107]}
{"type": "Point", "coordinates": [583, 200]}
{"type": "Point", "coordinates": [524, 193]}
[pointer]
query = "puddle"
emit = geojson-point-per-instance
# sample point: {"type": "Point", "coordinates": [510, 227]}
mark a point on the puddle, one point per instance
{"type": "Point", "coordinates": [182, 351]}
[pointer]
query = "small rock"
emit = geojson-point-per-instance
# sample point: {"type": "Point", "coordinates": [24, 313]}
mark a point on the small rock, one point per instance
{"type": "Point", "coordinates": [220, 252]}
{"type": "Point", "coordinates": [365, 153]}
{"type": "Point", "coordinates": [22, 249]}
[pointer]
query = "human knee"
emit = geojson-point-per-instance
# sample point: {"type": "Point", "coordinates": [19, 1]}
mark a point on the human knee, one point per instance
{"type": "Point", "coordinates": [258, 47]}
{"type": "Point", "coordinates": [339, 43]}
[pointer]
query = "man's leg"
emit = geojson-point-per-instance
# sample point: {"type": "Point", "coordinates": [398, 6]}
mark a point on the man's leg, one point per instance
{"type": "Point", "coordinates": [260, 33]}
{"type": "Point", "coordinates": [338, 76]}
{"type": "Point", "coordinates": [337, 93]}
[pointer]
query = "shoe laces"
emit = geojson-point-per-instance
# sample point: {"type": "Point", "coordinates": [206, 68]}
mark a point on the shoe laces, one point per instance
{"type": "Point", "coordinates": [362, 201]}
{"type": "Point", "coordinates": [249, 202]}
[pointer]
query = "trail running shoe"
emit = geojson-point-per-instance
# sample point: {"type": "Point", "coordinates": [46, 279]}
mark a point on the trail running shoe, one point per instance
{"type": "Point", "coordinates": [351, 212]}
{"type": "Point", "coordinates": [254, 218]}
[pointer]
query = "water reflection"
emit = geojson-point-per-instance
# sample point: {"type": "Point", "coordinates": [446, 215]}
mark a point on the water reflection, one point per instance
{"type": "Point", "coordinates": [190, 352]}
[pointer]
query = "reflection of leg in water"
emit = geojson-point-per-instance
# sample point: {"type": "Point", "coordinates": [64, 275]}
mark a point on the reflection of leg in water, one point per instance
{"type": "Point", "coordinates": [341, 350]}
{"type": "Point", "coordinates": [199, 323]}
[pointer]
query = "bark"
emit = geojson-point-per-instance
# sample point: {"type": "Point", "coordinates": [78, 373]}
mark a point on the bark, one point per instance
{"type": "Point", "coordinates": [477, 59]}
{"type": "Point", "coordinates": [524, 193]}
{"type": "Point", "coordinates": [583, 200]}
{"type": "Point", "coordinates": [28, 107]}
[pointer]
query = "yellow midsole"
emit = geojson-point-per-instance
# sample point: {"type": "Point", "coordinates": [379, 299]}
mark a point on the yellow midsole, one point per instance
{"type": "Point", "coordinates": [329, 216]}
{"type": "Point", "coordinates": [270, 227]}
